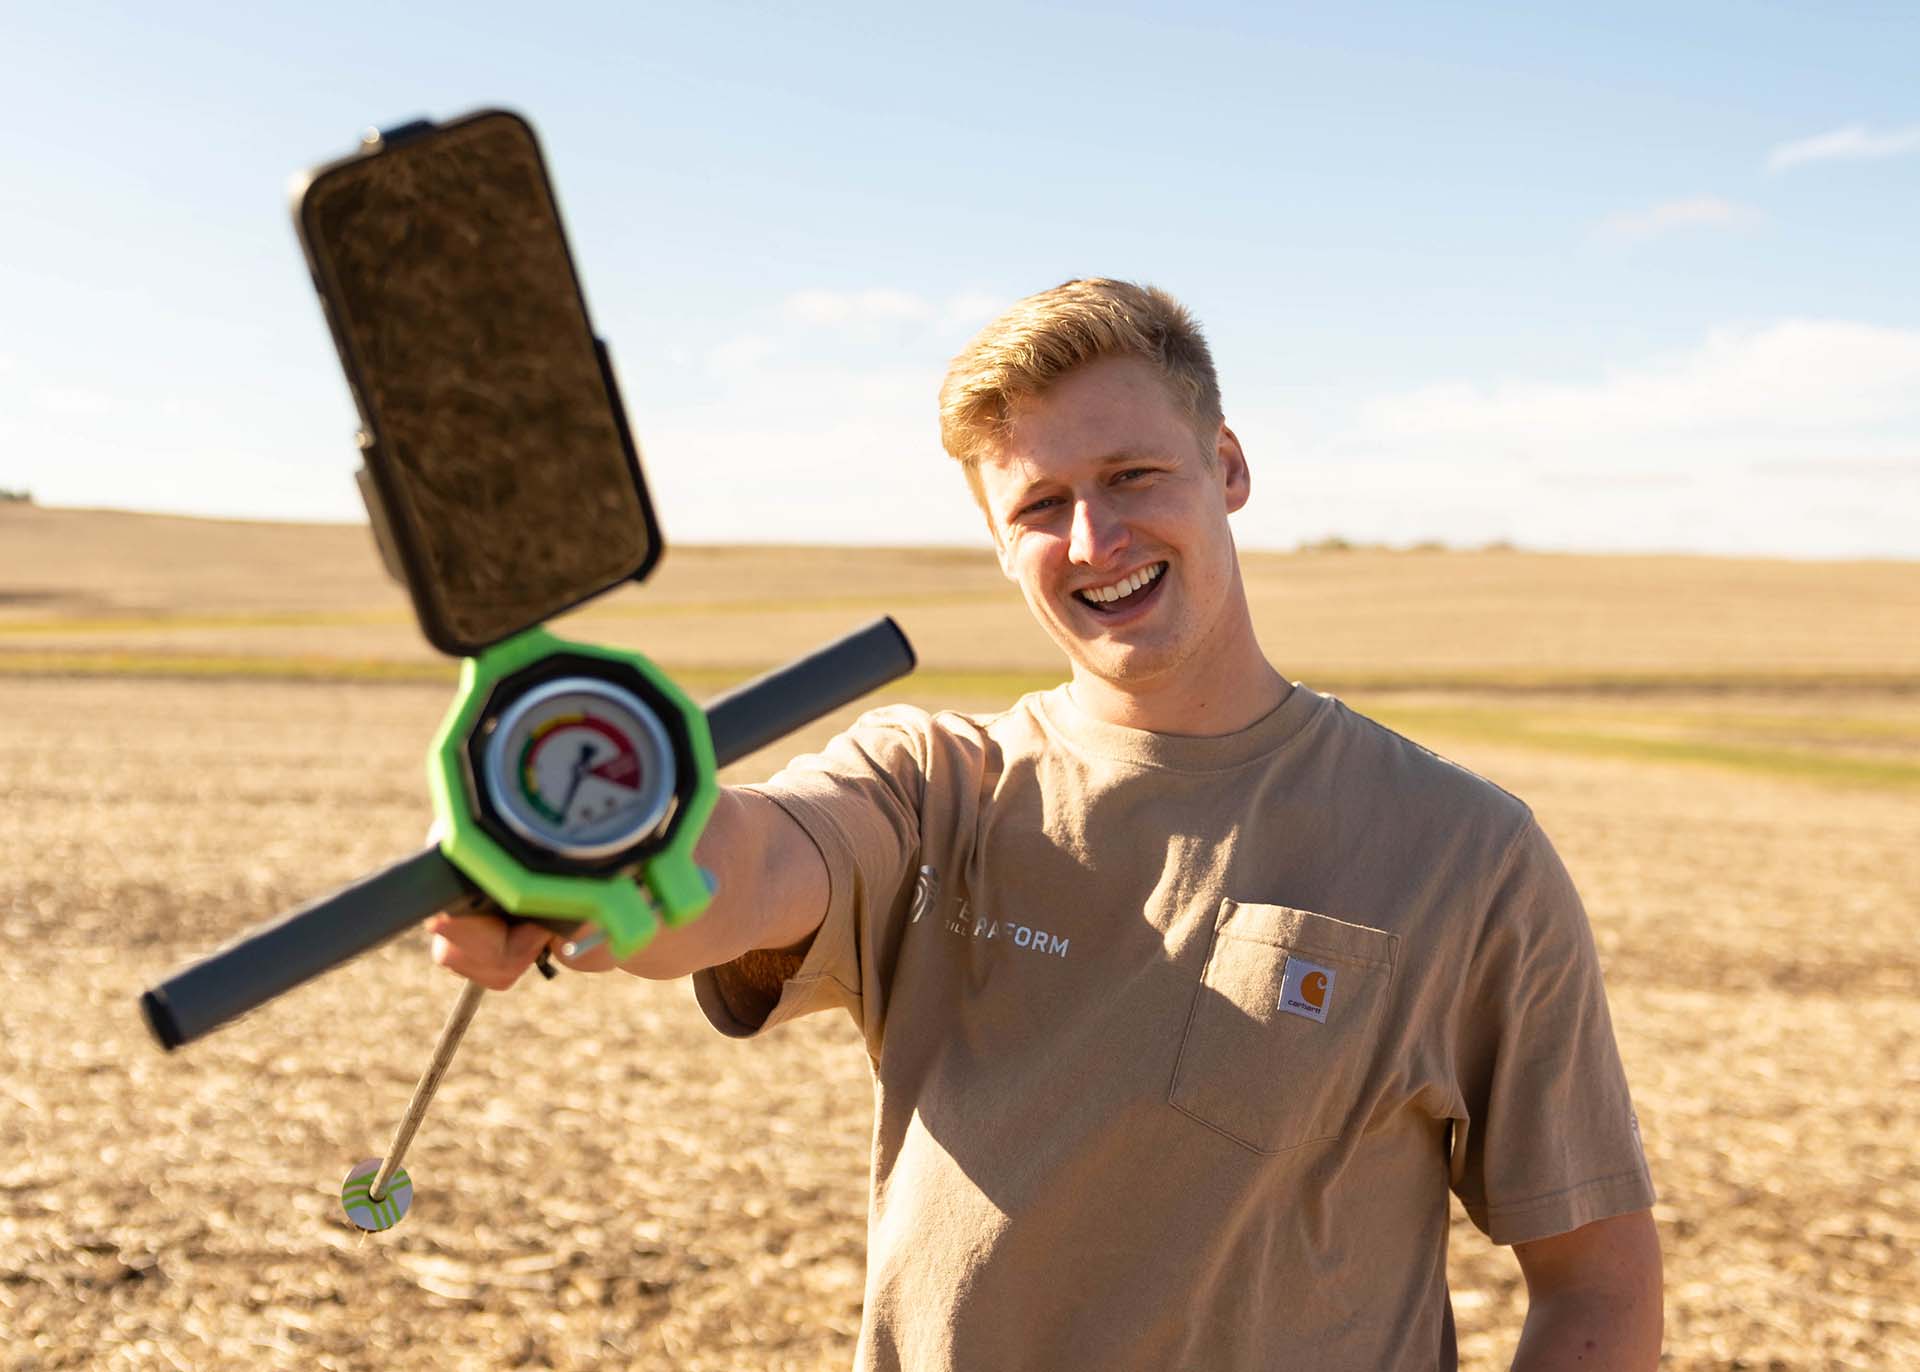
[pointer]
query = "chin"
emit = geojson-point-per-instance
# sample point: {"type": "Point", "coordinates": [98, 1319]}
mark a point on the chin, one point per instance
{"type": "Point", "coordinates": [1122, 669]}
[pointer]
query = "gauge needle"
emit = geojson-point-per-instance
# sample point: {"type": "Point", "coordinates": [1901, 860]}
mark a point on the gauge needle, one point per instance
{"type": "Point", "coordinates": [579, 775]}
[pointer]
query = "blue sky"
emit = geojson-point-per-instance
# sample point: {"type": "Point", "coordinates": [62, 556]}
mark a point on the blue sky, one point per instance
{"type": "Point", "coordinates": [1634, 277]}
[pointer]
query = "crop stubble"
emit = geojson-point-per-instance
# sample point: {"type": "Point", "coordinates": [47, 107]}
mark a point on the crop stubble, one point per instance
{"type": "Point", "coordinates": [604, 1182]}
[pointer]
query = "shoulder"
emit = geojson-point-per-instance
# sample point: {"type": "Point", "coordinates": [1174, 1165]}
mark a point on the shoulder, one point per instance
{"type": "Point", "coordinates": [1404, 808]}
{"type": "Point", "coordinates": [906, 744]}
{"type": "Point", "coordinates": [926, 733]}
{"type": "Point", "coordinates": [1450, 819]}
{"type": "Point", "coordinates": [1392, 769]}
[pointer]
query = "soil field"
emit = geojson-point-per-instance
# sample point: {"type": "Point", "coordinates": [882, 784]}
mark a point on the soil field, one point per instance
{"type": "Point", "coordinates": [1728, 755]}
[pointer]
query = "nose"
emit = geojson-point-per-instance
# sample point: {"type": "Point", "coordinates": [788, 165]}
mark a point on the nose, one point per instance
{"type": "Point", "coordinates": [1098, 533]}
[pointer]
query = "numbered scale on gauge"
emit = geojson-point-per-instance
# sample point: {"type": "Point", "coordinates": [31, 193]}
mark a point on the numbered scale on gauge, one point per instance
{"type": "Point", "coordinates": [580, 767]}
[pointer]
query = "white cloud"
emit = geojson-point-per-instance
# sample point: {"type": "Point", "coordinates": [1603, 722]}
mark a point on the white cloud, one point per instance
{"type": "Point", "coordinates": [76, 400]}
{"type": "Point", "coordinates": [1854, 143]}
{"type": "Point", "coordinates": [880, 305]}
{"type": "Point", "coordinates": [972, 309]}
{"type": "Point", "coordinates": [738, 355]}
{"type": "Point", "coordinates": [847, 307]}
{"type": "Point", "coordinates": [1794, 377]}
{"type": "Point", "coordinates": [1640, 225]}
{"type": "Point", "coordinates": [811, 452]}
{"type": "Point", "coordinates": [1798, 437]}
{"type": "Point", "coordinates": [1729, 510]}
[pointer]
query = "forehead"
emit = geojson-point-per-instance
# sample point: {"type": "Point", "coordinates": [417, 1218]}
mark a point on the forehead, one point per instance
{"type": "Point", "coordinates": [1106, 411]}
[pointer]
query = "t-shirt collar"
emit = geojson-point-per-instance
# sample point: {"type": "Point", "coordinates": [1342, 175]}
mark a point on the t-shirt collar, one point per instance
{"type": "Point", "coordinates": [1062, 717]}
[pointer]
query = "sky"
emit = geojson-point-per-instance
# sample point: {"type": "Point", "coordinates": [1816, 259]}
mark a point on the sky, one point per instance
{"type": "Point", "coordinates": [1599, 278]}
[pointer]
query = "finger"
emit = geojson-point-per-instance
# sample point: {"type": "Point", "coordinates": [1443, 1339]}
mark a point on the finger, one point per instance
{"type": "Point", "coordinates": [524, 942]}
{"type": "Point", "coordinates": [483, 936]}
{"type": "Point", "coordinates": [484, 949]}
{"type": "Point", "coordinates": [493, 975]}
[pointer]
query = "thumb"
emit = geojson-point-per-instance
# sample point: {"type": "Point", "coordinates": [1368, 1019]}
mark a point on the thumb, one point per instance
{"type": "Point", "coordinates": [596, 959]}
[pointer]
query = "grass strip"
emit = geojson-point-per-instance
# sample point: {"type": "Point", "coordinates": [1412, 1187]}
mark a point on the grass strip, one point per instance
{"type": "Point", "coordinates": [936, 687]}
{"type": "Point", "coordinates": [1536, 731]}
{"type": "Point", "coordinates": [973, 685]}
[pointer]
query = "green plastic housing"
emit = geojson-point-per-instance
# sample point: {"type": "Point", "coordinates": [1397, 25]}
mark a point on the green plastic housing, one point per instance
{"type": "Point", "coordinates": [630, 905]}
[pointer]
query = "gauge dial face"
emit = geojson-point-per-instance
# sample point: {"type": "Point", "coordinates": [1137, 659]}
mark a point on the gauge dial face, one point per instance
{"type": "Point", "coordinates": [580, 767]}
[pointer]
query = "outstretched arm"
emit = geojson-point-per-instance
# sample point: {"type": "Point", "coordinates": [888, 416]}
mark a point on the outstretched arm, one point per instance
{"type": "Point", "coordinates": [771, 894]}
{"type": "Point", "coordinates": [1594, 1299]}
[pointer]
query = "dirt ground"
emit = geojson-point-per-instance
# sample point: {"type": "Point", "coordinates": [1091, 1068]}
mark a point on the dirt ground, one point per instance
{"type": "Point", "coordinates": [605, 1182]}
{"type": "Point", "coordinates": [1727, 754]}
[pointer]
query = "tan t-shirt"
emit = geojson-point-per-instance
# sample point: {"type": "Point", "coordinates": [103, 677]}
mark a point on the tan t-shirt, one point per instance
{"type": "Point", "coordinates": [1179, 1043]}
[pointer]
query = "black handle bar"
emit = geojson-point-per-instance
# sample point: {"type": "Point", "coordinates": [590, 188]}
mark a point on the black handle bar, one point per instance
{"type": "Point", "coordinates": [319, 936]}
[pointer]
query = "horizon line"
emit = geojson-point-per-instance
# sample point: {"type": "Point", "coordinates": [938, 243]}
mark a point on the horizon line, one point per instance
{"type": "Point", "coordinates": [1332, 544]}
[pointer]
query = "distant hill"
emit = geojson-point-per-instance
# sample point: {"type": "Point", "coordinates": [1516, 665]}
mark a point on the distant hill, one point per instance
{"type": "Point", "coordinates": [80, 562]}
{"type": "Point", "coordinates": [94, 583]}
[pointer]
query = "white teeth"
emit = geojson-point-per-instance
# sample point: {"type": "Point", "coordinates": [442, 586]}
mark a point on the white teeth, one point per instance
{"type": "Point", "coordinates": [1106, 595]}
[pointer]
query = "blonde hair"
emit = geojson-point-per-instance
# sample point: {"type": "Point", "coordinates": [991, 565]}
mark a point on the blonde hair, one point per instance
{"type": "Point", "coordinates": [1045, 336]}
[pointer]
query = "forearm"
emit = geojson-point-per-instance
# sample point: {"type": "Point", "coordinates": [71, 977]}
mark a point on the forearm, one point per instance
{"type": "Point", "coordinates": [770, 891]}
{"type": "Point", "coordinates": [1588, 1332]}
{"type": "Point", "coordinates": [1594, 1298]}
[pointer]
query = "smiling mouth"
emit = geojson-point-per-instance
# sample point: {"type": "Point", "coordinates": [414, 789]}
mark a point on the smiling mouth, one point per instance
{"type": "Point", "coordinates": [1125, 594]}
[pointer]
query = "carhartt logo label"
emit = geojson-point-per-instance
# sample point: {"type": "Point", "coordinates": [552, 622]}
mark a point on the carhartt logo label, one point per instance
{"type": "Point", "coordinates": [1305, 989]}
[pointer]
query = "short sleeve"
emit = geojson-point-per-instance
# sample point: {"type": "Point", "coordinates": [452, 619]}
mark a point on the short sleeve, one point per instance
{"type": "Point", "coordinates": [1546, 1140]}
{"type": "Point", "coordinates": [859, 800]}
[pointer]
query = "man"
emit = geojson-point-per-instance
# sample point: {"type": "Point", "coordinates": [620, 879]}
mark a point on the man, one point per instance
{"type": "Point", "coordinates": [1189, 992]}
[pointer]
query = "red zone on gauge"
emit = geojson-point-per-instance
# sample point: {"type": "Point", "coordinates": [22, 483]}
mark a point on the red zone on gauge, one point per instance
{"type": "Point", "coordinates": [599, 752]}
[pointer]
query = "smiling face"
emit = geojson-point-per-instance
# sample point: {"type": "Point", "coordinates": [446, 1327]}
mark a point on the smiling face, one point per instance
{"type": "Point", "coordinates": [1108, 514]}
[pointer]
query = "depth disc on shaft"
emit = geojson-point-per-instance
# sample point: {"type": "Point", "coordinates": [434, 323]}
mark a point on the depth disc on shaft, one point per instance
{"type": "Point", "coordinates": [367, 1213]}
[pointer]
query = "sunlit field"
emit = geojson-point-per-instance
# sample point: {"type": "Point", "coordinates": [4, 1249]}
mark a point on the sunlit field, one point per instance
{"type": "Point", "coordinates": [205, 724]}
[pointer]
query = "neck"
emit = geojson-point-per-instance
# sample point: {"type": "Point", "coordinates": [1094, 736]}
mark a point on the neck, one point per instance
{"type": "Point", "coordinates": [1186, 702]}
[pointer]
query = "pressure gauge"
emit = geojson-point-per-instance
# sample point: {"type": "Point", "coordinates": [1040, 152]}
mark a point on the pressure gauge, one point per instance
{"type": "Point", "coordinates": [580, 767]}
{"type": "Point", "coordinates": [571, 782]}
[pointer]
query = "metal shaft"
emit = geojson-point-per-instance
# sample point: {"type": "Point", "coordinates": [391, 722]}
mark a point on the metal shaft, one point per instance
{"type": "Point", "coordinates": [450, 1035]}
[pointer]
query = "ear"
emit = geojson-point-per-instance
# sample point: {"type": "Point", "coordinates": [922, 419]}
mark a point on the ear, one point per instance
{"type": "Point", "coordinates": [1234, 474]}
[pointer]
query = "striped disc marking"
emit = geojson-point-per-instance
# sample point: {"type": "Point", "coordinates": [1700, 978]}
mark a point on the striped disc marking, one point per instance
{"type": "Point", "coordinates": [367, 1213]}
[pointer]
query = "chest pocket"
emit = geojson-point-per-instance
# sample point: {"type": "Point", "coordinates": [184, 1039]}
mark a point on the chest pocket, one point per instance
{"type": "Point", "coordinates": [1281, 1038]}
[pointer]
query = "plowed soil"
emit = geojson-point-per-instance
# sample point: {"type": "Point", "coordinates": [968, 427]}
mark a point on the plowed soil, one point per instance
{"type": "Point", "coordinates": [604, 1182]}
